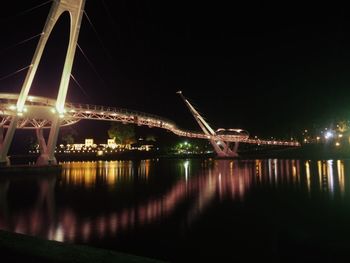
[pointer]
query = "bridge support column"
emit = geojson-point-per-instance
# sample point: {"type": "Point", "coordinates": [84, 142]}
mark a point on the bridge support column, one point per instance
{"type": "Point", "coordinates": [51, 146]}
{"type": "Point", "coordinates": [225, 150]}
{"type": "Point", "coordinates": [1, 134]}
{"type": "Point", "coordinates": [41, 140]}
{"type": "Point", "coordinates": [47, 151]}
{"type": "Point", "coordinates": [6, 141]}
{"type": "Point", "coordinates": [235, 149]}
{"type": "Point", "coordinates": [217, 148]}
{"type": "Point", "coordinates": [44, 158]}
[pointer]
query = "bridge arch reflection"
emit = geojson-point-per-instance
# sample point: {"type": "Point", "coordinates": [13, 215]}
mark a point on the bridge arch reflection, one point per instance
{"type": "Point", "coordinates": [200, 186]}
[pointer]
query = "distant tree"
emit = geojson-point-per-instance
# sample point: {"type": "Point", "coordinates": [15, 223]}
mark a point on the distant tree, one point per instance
{"type": "Point", "coordinates": [122, 133]}
{"type": "Point", "coordinates": [33, 143]}
{"type": "Point", "coordinates": [343, 126]}
{"type": "Point", "coordinates": [150, 138]}
{"type": "Point", "coordinates": [68, 138]}
{"type": "Point", "coordinates": [68, 135]}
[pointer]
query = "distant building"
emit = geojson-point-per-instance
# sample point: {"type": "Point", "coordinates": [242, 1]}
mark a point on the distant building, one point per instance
{"type": "Point", "coordinates": [111, 143]}
{"type": "Point", "coordinates": [142, 146]}
{"type": "Point", "coordinates": [90, 147]}
{"type": "Point", "coordinates": [89, 142]}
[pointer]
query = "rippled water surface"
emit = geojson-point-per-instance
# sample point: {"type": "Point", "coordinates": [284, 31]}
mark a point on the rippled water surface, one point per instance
{"type": "Point", "coordinates": [189, 210]}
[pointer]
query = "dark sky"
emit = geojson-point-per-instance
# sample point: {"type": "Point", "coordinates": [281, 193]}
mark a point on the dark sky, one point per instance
{"type": "Point", "coordinates": [270, 68]}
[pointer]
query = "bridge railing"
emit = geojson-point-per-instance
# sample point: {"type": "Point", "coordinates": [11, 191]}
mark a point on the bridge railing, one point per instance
{"type": "Point", "coordinates": [108, 110]}
{"type": "Point", "coordinates": [88, 111]}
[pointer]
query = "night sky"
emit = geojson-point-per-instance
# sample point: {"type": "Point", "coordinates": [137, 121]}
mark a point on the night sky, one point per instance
{"type": "Point", "coordinates": [270, 68]}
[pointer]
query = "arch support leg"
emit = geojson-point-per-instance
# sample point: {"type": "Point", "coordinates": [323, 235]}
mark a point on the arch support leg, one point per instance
{"type": "Point", "coordinates": [43, 159]}
{"type": "Point", "coordinates": [6, 141]}
{"type": "Point", "coordinates": [223, 149]}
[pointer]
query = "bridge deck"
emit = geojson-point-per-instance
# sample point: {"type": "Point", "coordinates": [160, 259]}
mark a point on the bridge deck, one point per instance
{"type": "Point", "coordinates": [76, 112]}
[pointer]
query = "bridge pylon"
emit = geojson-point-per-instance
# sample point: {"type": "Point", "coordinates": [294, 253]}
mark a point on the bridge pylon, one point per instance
{"type": "Point", "coordinates": [75, 8]}
{"type": "Point", "coordinates": [221, 147]}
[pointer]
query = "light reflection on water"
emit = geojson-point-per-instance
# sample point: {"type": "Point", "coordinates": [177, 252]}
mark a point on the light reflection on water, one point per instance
{"type": "Point", "coordinates": [88, 173]}
{"type": "Point", "coordinates": [201, 184]}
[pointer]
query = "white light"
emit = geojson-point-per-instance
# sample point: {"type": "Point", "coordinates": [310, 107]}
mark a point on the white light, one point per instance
{"type": "Point", "coordinates": [53, 110]}
{"type": "Point", "coordinates": [328, 135]}
{"type": "Point", "coordinates": [186, 166]}
{"type": "Point", "coordinates": [12, 107]}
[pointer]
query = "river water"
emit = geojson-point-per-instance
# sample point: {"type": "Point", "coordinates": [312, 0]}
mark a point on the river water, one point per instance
{"type": "Point", "coordinates": [196, 210]}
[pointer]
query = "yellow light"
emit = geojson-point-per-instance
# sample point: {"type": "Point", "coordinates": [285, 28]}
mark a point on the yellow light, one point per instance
{"type": "Point", "coordinates": [61, 116]}
{"type": "Point", "coordinates": [12, 107]}
{"type": "Point", "coordinates": [19, 113]}
{"type": "Point", "coordinates": [337, 144]}
{"type": "Point", "coordinates": [53, 110]}
{"type": "Point", "coordinates": [340, 135]}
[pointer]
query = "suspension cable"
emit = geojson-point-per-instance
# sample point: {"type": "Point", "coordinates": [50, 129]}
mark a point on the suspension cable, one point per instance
{"type": "Point", "coordinates": [19, 43]}
{"type": "Point", "coordinates": [112, 20]}
{"type": "Point", "coordinates": [14, 73]}
{"type": "Point", "coordinates": [90, 63]}
{"type": "Point", "coordinates": [29, 10]}
{"type": "Point", "coordinates": [98, 36]}
{"type": "Point", "coordinates": [81, 88]}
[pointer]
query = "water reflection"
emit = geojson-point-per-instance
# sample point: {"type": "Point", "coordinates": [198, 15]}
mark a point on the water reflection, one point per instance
{"type": "Point", "coordinates": [199, 186]}
{"type": "Point", "coordinates": [88, 174]}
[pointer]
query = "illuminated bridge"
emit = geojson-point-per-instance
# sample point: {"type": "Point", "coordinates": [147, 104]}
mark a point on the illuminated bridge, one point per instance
{"type": "Point", "coordinates": [30, 112]}
{"type": "Point", "coordinates": [39, 113]}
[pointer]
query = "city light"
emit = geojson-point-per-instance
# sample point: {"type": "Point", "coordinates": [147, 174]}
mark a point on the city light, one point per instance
{"type": "Point", "coordinates": [328, 135]}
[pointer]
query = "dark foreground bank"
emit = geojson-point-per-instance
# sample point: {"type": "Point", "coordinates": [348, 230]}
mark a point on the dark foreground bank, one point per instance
{"type": "Point", "coordinates": [22, 248]}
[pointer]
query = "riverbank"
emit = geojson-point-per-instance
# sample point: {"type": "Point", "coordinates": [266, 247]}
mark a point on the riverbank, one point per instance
{"type": "Point", "coordinates": [308, 151]}
{"type": "Point", "coordinates": [21, 248]}
{"type": "Point", "coordinates": [130, 155]}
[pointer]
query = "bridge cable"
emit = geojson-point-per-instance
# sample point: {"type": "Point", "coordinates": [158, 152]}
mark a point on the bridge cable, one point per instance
{"type": "Point", "coordinates": [14, 73]}
{"type": "Point", "coordinates": [81, 88]}
{"type": "Point", "coordinates": [195, 106]}
{"type": "Point", "coordinates": [20, 43]}
{"type": "Point", "coordinates": [112, 20]}
{"type": "Point", "coordinates": [29, 10]}
{"type": "Point", "coordinates": [90, 64]}
{"type": "Point", "coordinates": [98, 36]}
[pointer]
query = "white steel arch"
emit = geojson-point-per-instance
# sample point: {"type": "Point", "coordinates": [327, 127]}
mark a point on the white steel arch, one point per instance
{"type": "Point", "coordinates": [75, 8]}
